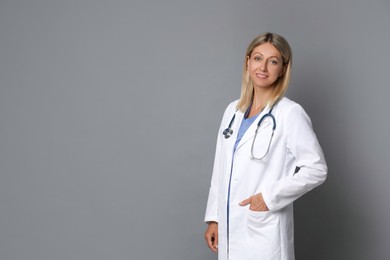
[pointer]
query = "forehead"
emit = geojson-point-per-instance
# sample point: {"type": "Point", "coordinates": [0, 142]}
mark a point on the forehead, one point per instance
{"type": "Point", "coordinates": [267, 50]}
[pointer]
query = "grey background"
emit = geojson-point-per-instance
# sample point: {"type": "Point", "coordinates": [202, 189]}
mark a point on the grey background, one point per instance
{"type": "Point", "coordinates": [109, 112]}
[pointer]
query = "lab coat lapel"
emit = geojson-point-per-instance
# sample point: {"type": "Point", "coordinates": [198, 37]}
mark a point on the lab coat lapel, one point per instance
{"type": "Point", "coordinates": [249, 134]}
{"type": "Point", "coordinates": [236, 126]}
{"type": "Point", "coordinates": [229, 142]}
{"type": "Point", "coordinates": [232, 140]}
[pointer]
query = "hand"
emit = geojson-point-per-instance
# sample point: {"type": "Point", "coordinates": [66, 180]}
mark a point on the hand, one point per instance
{"type": "Point", "coordinates": [256, 203]}
{"type": "Point", "coordinates": [211, 236]}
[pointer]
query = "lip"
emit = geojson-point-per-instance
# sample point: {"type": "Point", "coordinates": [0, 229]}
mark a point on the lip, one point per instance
{"type": "Point", "coordinates": [261, 75]}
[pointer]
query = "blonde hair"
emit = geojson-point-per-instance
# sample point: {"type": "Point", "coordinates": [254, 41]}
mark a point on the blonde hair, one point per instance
{"type": "Point", "coordinates": [281, 85]}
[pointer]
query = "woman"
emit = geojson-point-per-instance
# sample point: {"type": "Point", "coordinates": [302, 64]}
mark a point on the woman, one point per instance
{"type": "Point", "coordinates": [259, 173]}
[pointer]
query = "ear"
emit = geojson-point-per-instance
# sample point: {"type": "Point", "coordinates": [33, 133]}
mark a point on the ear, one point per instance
{"type": "Point", "coordinates": [247, 62]}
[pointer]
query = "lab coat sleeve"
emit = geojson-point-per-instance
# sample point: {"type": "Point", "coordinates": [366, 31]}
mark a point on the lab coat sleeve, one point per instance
{"type": "Point", "coordinates": [212, 202]}
{"type": "Point", "coordinates": [302, 143]}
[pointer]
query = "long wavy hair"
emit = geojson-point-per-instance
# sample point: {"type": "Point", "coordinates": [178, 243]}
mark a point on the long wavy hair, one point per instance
{"type": "Point", "coordinates": [281, 84]}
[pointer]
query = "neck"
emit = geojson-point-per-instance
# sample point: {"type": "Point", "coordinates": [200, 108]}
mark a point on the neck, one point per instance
{"type": "Point", "coordinates": [261, 98]}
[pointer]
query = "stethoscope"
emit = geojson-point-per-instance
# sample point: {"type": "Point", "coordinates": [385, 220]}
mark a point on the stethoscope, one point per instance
{"type": "Point", "coordinates": [229, 131]}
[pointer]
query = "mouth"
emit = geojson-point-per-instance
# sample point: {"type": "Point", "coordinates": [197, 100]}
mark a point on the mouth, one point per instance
{"type": "Point", "coordinates": [261, 75]}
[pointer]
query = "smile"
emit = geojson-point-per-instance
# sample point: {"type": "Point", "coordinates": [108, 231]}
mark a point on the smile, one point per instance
{"type": "Point", "coordinates": [262, 76]}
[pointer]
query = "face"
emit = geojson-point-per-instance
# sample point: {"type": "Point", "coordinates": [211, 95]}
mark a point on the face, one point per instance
{"type": "Point", "coordinates": [265, 65]}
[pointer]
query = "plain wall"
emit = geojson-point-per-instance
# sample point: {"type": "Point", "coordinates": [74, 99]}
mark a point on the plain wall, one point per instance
{"type": "Point", "coordinates": [109, 112]}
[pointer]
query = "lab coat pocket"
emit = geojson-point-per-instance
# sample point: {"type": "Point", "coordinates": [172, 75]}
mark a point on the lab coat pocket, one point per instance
{"type": "Point", "coordinates": [264, 234]}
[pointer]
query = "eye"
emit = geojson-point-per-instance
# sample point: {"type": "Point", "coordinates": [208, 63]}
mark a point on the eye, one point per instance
{"type": "Point", "coordinates": [273, 62]}
{"type": "Point", "coordinates": [257, 58]}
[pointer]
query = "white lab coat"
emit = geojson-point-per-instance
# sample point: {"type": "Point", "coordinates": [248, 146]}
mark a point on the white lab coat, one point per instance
{"type": "Point", "coordinates": [263, 235]}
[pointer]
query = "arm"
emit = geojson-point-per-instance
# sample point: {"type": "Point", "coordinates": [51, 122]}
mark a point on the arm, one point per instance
{"type": "Point", "coordinates": [302, 143]}
{"type": "Point", "coordinates": [212, 202]}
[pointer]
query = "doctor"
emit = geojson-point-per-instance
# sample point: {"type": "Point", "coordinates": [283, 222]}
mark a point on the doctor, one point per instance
{"type": "Point", "coordinates": [267, 156]}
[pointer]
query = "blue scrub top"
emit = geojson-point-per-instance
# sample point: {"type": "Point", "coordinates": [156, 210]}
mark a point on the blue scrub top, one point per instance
{"type": "Point", "coordinates": [245, 124]}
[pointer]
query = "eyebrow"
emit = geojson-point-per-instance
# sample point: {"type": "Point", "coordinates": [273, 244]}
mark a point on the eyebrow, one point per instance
{"type": "Point", "coordinates": [269, 57]}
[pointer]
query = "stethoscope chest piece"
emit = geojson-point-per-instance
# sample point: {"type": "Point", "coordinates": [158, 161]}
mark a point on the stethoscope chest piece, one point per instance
{"type": "Point", "coordinates": [227, 132]}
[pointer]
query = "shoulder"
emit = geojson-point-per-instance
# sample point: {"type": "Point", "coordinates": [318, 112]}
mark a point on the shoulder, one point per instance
{"type": "Point", "coordinates": [287, 106]}
{"type": "Point", "coordinates": [232, 105]}
{"type": "Point", "coordinates": [292, 112]}
{"type": "Point", "coordinates": [231, 108]}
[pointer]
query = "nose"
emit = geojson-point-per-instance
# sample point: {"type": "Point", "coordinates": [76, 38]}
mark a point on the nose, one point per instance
{"type": "Point", "coordinates": [263, 65]}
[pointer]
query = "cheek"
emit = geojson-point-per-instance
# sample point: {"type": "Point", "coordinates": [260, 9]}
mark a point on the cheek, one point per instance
{"type": "Point", "coordinates": [249, 66]}
{"type": "Point", "coordinates": [279, 72]}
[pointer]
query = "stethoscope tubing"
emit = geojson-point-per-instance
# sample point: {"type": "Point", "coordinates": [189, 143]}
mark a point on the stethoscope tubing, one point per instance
{"type": "Point", "coordinates": [229, 131]}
